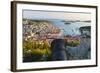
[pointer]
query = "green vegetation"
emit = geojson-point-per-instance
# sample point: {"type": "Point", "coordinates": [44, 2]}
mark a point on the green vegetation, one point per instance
{"type": "Point", "coordinates": [73, 43]}
{"type": "Point", "coordinates": [36, 48]}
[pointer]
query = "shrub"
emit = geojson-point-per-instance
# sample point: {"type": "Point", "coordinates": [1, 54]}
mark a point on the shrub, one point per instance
{"type": "Point", "coordinates": [73, 43]}
{"type": "Point", "coordinates": [36, 48]}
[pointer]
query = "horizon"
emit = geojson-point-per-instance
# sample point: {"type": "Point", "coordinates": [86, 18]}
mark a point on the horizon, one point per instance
{"type": "Point", "coordinates": [51, 15]}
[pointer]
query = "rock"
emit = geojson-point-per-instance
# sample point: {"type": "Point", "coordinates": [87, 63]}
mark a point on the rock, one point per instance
{"type": "Point", "coordinates": [58, 50]}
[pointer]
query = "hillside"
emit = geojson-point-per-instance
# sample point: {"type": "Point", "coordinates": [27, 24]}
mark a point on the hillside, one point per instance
{"type": "Point", "coordinates": [38, 28]}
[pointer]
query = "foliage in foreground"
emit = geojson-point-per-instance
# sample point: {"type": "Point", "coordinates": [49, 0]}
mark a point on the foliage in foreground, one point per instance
{"type": "Point", "coordinates": [39, 50]}
{"type": "Point", "coordinates": [36, 48]}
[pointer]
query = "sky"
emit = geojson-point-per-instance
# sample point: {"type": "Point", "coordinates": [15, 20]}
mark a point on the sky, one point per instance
{"type": "Point", "coordinates": [29, 14]}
